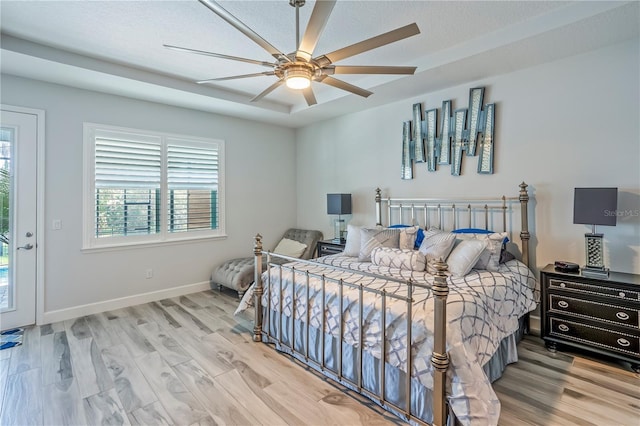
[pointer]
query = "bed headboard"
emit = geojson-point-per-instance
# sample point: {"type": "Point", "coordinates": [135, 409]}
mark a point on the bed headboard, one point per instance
{"type": "Point", "coordinates": [452, 213]}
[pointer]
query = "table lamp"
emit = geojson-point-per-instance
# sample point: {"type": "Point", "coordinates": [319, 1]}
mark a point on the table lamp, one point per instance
{"type": "Point", "coordinates": [595, 206]}
{"type": "Point", "coordinates": [339, 204]}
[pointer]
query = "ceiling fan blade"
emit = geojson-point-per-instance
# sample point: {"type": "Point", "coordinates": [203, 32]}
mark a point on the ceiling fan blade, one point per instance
{"type": "Point", "coordinates": [240, 26]}
{"type": "Point", "coordinates": [218, 55]}
{"type": "Point", "coordinates": [369, 44]}
{"type": "Point", "coordinates": [346, 86]}
{"type": "Point", "coordinates": [319, 17]}
{"type": "Point", "coordinates": [234, 77]}
{"type": "Point", "coordinates": [309, 96]}
{"type": "Point", "coordinates": [268, 90]}
{"type": "Point", "coordinates": [368, 69]}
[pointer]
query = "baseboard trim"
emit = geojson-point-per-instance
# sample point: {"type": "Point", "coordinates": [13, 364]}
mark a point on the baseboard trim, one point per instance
{"type": "Point", "coordinates": [123, 302]}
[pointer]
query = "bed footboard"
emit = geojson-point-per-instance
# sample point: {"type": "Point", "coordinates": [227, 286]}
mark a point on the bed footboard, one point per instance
{"type": "Point", "coordinates": [439, 359]}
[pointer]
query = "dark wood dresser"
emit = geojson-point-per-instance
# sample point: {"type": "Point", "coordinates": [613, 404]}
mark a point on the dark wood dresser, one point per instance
{"type": "Point", "coordinates": [601, 315]}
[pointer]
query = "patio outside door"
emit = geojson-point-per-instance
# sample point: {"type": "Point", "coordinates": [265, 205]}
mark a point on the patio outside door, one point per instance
{"type": "Point", "coordinates": [18, 204]}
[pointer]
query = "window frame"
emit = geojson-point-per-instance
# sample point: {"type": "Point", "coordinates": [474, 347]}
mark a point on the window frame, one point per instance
{"type": "Point", "coordinates": [164, 237]}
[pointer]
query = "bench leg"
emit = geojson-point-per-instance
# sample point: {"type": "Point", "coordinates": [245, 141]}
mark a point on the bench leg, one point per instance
{"type": "Point", "coordinates": [219, 287]}
{"type": "Point", "coordinates": [240, 294]}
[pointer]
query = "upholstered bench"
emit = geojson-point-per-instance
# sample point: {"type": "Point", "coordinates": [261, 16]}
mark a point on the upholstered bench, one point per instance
{"type": "Point", "coordinates": [237, 274]}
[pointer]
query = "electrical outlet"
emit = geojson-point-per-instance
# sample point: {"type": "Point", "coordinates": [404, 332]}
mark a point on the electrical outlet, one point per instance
{"type": "Point", "coordinates": [148, 273]}
{"type": "Point", "coordinates": [57, 224]}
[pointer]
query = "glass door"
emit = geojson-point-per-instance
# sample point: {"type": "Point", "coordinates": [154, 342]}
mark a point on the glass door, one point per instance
{"type": "Point", "coordinates": [18, 204]}
{"type": "Point", "coordinates": [7, 142]}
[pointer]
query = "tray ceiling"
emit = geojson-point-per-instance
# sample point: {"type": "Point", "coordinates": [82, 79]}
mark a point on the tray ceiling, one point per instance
{"type": "Point", "coordinates": [116, 47]}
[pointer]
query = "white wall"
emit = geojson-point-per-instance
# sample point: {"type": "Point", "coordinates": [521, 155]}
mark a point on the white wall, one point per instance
{"type": "Point", "coordinates": [566, 124]}
{"type": "Point", "coordinates": [74, 279]}
{"type": "Point", "coordinates": [561, 125]}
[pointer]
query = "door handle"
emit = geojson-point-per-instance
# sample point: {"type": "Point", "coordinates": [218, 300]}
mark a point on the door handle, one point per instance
{"type": "Point", "coordinates": [26, 247]}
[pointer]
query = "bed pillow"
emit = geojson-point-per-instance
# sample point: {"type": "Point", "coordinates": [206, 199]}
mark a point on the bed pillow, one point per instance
{"type": "Point", "coordinates": [352, 245]}
{"type": "Point", "coordinates": [376, 237]}
{"type": "Point", "coordinates": [490, 258]}
{"type": "Point", "coordinates": [418, 235]}
{"type": "Point", "coordinates": [436, 245]}
{"type": "Point", "coordinates": [465, 256]}
{"type": "Point", "coordinates": [399, 258]}
{"type": "Point", "coordinates": [505, 255]}
{"type": "Point", "coordinates": [289, 247]}
{"type": "Point", "coordinates": [408, 237]}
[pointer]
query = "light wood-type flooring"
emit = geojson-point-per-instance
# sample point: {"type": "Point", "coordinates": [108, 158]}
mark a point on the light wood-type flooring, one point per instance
{"type": "Point", "coordinates": [189, 361]}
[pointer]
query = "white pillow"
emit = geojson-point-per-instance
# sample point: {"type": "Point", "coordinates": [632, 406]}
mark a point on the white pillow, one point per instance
{"type": "Point", "coordinates": [352, 246]}
{"type": "Point", "coordinates": [399, 258]}
{"type": "Point", "coordinates": [436, 245]}
{"type": "Point", "coordinates": [289, 247]}
{"type": "Point", "coordinates": [377, 237]}
{"type": "Point", "coordinates": [490, 258]}
{"type": "Point", "coordinates": [465, 256]}
{"type": "Point", "coordinates": [408, 237]}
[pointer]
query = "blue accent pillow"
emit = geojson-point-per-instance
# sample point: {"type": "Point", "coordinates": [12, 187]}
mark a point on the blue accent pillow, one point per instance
{"type": "Point", "coordinates": [472, 231]}
{"type": "Point", "coordinates": [419, 238]}
{"type": "Point", "coordinates": [419, 234]}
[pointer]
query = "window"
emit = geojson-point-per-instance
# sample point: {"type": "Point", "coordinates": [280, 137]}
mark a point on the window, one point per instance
{"type": "Point", "coordinates": [146, 187]}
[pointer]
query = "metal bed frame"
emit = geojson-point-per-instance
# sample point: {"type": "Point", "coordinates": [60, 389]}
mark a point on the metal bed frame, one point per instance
{"type": "Point", "coordinates": [440, 357]}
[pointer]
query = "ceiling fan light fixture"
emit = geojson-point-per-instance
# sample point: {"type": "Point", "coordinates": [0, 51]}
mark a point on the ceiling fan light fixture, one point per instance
{"type": "Point", "coordinates": [298, 78]}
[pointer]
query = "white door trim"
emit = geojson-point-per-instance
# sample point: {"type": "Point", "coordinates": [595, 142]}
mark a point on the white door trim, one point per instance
{"type": "Point", "coordinates": [40, 191]}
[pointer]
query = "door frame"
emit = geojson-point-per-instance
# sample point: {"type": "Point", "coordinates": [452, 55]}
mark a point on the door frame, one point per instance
{"type": "Point", "coordinates": [40, 191]}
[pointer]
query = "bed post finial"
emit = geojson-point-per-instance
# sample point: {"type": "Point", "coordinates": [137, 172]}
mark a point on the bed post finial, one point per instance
{"type": "Point", "coordinates": [378, 207]}
{"type": "Point", "coordinates": [524, 233]}
{"type": "Point", "coordinates": [257, 276]}
{"type": "Point", "coordinates": [440, 358]}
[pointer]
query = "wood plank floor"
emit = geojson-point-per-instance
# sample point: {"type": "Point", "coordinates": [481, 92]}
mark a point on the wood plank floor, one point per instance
{"type": "Point", "coordinates": [189, 361]}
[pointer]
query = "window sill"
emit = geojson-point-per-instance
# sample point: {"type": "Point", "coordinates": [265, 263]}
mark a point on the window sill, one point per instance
{"type": "Point", "coordinates": [149, 244]}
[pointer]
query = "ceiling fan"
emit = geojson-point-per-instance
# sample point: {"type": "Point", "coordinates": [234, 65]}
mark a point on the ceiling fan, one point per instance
{"type": "Point", "coordinates": [298, 69]}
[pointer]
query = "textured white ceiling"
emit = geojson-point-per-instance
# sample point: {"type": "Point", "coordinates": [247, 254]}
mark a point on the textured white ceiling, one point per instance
{"type": "Point", "coordinates": [116, 46]}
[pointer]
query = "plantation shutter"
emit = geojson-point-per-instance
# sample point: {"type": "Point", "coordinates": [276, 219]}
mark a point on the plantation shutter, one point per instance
{"type": "Point", "coordinates": [192, 181]}
{"type": "Point", "coordinates": [127, 183]}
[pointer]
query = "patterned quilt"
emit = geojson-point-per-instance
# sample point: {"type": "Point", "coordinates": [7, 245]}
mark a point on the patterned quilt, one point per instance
{"type": "Point", "coordinates": [482, 308]}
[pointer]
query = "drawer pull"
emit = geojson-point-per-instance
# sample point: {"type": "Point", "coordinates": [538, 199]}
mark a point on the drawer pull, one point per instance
{"type": "Point", "coordinates": [621, 294]}
{"type": "Point", "coordinates": [622, 315]}
{"type": "Point", "coordinates": [562, 285]}
{"type": "Point", "coordinates": [563, 327]}
{"type": "Point", "coordinates": [623, 342]}
{"type": "Point", "coordinates": [563, 304]}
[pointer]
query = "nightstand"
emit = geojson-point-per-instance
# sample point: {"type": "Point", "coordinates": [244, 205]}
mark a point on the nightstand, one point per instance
{"type": "Point", "coordinates": [601, 315]}
{"type": "Point", "coordinates": [328, 247]}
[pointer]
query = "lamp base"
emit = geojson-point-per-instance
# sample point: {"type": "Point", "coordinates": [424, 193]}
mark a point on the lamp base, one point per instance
{"type": "Point", "coordinates": [594, 250]}
{"type": "Point", "coordinates": [338, 231]}
{"type": "Point", "coordinates": [589, 271]}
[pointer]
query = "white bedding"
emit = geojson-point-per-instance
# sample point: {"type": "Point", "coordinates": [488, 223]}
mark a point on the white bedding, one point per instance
{"type": "Point", "coordinates": [482, 309]}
